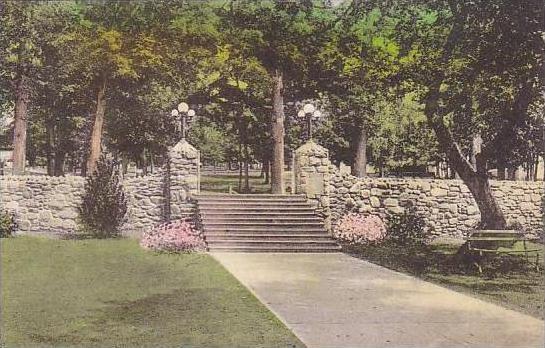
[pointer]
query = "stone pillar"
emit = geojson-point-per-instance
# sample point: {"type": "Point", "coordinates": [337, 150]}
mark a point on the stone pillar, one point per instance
{"type": "Point", "coordinates": [312, 175]}
{"type": "Point", "coordinates": [183, 175]}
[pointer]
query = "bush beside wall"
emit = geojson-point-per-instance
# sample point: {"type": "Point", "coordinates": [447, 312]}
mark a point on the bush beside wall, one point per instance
{"type": "Point", "coordinates": [447, 206]}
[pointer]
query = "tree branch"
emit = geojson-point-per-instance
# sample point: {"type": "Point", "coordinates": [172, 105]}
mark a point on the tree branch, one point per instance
{"type": "Point", "coordinates": [432, 107]}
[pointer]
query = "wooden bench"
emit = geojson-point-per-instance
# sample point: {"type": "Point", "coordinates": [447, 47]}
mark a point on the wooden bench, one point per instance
{"type": "Point", "coordinates": [499, 242]}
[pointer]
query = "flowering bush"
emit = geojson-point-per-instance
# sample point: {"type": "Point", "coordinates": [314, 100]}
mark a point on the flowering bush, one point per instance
{"type": "Point", "coordinates": [357, 228]}
{"type": "Point", "coordinates": [172, 237]}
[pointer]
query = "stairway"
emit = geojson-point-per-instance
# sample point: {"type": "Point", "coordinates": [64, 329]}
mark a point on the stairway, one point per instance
{"type": "Point", "coordinates": [262, 223]}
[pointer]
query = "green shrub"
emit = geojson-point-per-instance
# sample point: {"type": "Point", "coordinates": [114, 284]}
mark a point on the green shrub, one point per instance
{"type": "Point", "coordinates": [8, 225]}
{"type": "Point", "coordinates": [406, 228]}
{"type": "Point", "coordinates": [104, 206]}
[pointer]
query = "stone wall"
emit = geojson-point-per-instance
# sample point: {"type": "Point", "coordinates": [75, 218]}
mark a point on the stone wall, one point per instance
{"type": "Point", "coordinates": [49, 205]}
{"type": "Point", "coordinates": [42, 204]}
{"type": "Point", "coordinates": [145, 202]}
{"type": "Point", "coordinates": [447, 205]}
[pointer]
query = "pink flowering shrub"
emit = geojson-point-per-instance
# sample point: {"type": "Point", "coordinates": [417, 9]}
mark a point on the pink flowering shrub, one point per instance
{"type": "Point", "coordinates": [177, 236]}
{"type": "Point", "coordinates": [359, 229]}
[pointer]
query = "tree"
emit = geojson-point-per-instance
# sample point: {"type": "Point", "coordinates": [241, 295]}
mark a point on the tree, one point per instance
{"type": "Point", "coordinates": [277, 33]}
{"type": "Point", "coordinates": [178, 56]}
{"type": "Point", "coordinates": [58, 103]}
{"type": "Point", "coordinates": [109, 45]}
{"type": "Point", "coordinates": [359, 64]}
{"type": "Point", "coordinates": [19, 58]}
{"type": "Point", "coordinates": [463, 48]}
{"type": "Point", "coordinates": [401, 140]}
{"type": "Point", "coordinates": [211, 141]}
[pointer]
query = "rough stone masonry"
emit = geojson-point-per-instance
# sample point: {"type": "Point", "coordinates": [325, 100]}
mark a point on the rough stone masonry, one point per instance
{"type": "Point", "coordinates": [49, 205]}
{"type": "Point", "coordinates": [446, 205]}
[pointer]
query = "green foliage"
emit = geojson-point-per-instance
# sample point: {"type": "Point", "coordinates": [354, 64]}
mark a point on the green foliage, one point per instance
{"type": "Point", "coordinates": [400, 137]}
{"type": "Point", "coordinates": [20, 54]}
{"type": "Point", "coordinates": [103, 207]}
{"type": "Point", "coordinates": [371, 61]}
{"type": "Point", "coordinates": [492, 84]}
{"type": "Point", "coordinates": [8, 225]}
{"type": "Point", "coordinates": [406, 228]}
{"type": "Point", "coordinates": [212, 142]}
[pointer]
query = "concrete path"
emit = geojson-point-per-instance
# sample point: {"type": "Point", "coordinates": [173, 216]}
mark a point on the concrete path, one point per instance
{"type": "Point", "coordinates": [334, 300]}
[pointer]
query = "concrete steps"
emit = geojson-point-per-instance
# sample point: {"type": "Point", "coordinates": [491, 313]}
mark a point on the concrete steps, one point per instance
{"type": "Point", "coordinates": [217, 237]}
{"type": "Point", "coordinates": [262, 223]}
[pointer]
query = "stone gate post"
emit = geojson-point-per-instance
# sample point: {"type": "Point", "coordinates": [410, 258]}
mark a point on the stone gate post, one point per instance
{"type": "Point", "coordinates": [182, 179]}
{"type": "Point", "coordinates": [312, 175]}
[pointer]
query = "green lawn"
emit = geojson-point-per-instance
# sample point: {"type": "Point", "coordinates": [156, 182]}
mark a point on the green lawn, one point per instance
{"type": "Point", "coordinates": [506, 281]}
{"type": "Point", "coordinates": [111, 293]}
{"type": "Point", "coordinates": [220, 183]}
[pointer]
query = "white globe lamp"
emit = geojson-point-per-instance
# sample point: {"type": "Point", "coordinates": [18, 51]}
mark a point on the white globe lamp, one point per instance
{"type": "Point", "coordinates": [308, 108]}
{"type": "Point", "coordinates": [183, 107]}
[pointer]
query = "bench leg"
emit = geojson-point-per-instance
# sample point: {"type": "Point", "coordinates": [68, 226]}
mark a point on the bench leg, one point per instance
{"type": "Point", "coordinates": [476, 264]}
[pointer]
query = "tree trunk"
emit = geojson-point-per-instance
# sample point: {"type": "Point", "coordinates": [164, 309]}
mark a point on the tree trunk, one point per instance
{"type": "Point", "coordinates": [70, 166]}
{"type": "Point", "coordinates": [19, 136]}
{"type": "Point", "coordinates": [246, 170]}
{"type": "Point", "coordinates": [240, 135]}
{"type": "Point", "coordinates": [60, 158]}
{"type": "Point", "coordinates": [475, 178]}
{"type": "Point", "coordinates": [536, 166]}
{"type": "Point", "coordinates": [96, 133]}
{"type": "Point", "coordinates": [239, 176]}
{"type": "Point", "coordinates": [501, 170]}
{"type": "Point", "coordinates": [476, 147]}
{"type": "Point", "coordinates": [267, 170]}
{"type": "Point", "coordinates": [50, 130]}
{"type": "Point", "coordinates": [289, 159]}
{"type": "Point", "coordinates": [359, 165]}
{"type": "Point", "coordinates": [125, 165]}
{"type": "Point", "coordinates": [511, 173]}
{"type": "Point", "coordinates": [277, 128]}
{"type": "Point", "coordinates": [144, 161]}
{"type": "Point", "coordinates": [83, 164]}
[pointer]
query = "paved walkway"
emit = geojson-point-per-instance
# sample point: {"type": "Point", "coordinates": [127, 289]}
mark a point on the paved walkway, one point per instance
{"type": "Point", "coordinates": [334, 300]}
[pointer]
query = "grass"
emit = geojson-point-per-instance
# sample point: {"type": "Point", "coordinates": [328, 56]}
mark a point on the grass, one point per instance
{"type": "Point", "coordinates": [111, 293]}
{"type": "Point", "coordinates": [507, 281]}
{"type": "Point", "coordinates": [221, 183]}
